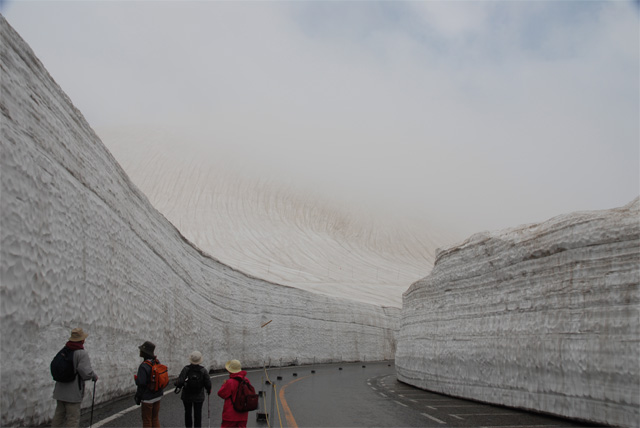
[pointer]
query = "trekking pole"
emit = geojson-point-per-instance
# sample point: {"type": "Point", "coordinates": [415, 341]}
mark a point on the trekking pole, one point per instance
{"type": "Point", "coordinates": [93, 400]}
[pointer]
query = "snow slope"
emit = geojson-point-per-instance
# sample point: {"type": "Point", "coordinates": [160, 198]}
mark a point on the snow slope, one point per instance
{"type": "Point", "coordinates": [543, 317]}
{"type": "Point", "coordinates": [81, 245]}
{"type": "Point", "coordinates": [275, 231]}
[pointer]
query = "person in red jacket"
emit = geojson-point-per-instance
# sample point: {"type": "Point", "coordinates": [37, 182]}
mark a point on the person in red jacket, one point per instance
{"type": "Point", "coordinates": [230, 417]}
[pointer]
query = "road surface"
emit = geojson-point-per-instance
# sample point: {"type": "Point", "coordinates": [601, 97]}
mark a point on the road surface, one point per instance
{"type": "Point", "coordinates": [334, 395]}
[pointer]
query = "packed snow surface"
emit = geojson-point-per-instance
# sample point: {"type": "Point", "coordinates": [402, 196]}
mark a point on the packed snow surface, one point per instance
{"type": "Point", "coordinates": [82, 246]}
{"type": "Point", "coordinates": [272, 230]}
{"type": "Point", "coordinates": [543, 317]}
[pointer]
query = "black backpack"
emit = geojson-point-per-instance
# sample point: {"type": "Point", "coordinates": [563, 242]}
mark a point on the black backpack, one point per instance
{"type": "Point", "coordinates": [62, 368]}
{"type": "Point", "coordinates": [194, 380]}
{"type": "Point", "coordinates": [246, 398]}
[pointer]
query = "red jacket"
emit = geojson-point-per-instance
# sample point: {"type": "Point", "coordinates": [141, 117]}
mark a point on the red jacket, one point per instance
{"type": "Point", "coordinates": [227, 391]}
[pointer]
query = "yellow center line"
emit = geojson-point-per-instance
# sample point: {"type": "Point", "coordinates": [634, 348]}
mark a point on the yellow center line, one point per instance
{"type": "Point", "coordinates": [291, 422]}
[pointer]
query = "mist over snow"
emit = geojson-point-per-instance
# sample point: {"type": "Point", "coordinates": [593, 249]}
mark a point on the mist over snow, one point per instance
{"type": "Point", "coordinates": [281, 232]}
{"type": "Point", "coordinates": [402, 126]}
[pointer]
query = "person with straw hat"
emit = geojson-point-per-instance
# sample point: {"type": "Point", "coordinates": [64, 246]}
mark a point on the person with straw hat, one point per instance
{"type": "Point", "coordinates": [193, 381]}
{"type": "Point", "coordinates": [230, 416]}
{"type": "Point", "coordinates": [69, 395]}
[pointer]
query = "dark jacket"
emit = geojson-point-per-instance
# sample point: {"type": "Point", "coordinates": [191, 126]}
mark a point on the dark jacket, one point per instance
{"type": "Point", "coordinates": [227, 391]}
{"type": "Point", "coordinates": [142, 380]}
{"type": "Point", "coordinates": [189, 394]}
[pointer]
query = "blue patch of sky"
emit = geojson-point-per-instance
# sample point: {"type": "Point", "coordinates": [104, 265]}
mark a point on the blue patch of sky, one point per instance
{"type": "Point", "coordinates": [346, 22]}
{"type": "Point", "coordinates": [530, 28]}
{"type": "Point", "coordinates": [355, 21]}
{"type": "Point", "coordinates": [560, 30]}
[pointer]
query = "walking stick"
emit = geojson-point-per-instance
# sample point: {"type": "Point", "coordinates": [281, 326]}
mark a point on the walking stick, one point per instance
{"type": "Point", "coordinates": [93, 400]}
{"type": "Point", "coordinates": [208, 410]}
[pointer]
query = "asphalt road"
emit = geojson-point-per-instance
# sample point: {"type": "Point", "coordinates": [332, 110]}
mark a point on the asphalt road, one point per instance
{"type": "Point", "coordinates": [334, 395]}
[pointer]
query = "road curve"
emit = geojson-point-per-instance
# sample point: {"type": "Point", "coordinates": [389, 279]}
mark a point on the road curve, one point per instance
{"type": "Point", "coordinates": [334, 395]}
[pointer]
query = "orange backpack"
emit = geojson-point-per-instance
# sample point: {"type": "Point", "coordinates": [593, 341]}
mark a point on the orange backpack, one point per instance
{"type": "Point", "coordinates": [159, 376]}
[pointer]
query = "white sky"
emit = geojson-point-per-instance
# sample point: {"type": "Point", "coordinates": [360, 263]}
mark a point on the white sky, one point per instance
{"type": "Point", "coordinates": [481, 115]}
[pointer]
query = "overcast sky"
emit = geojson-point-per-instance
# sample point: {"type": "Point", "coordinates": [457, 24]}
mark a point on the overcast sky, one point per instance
{"type": "Point", "coordinates": [481, 114]}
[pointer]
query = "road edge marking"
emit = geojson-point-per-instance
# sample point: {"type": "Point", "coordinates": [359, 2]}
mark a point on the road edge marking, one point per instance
{"type": "Point", "coordinates": [291, 421]}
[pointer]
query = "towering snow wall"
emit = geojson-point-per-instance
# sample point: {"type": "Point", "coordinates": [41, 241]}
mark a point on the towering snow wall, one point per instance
{"type": "Point", "coordinates": [81, 246]}
{"type": "Point", "coordinates": [542, 317]}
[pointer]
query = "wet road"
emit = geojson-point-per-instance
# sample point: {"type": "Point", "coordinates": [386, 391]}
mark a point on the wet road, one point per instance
{"type": "Point", "coordinates": [336, 395]}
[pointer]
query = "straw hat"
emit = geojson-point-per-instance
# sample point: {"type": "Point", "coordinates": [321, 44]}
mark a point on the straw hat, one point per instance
{"type": "Point", "coordinates": [233, 366]}
{"type": "Point", "coordinates": [195, 358]}
{"type": "Point", "coordinates": [78, 335]}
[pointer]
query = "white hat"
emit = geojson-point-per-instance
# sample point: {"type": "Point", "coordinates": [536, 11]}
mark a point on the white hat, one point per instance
{"type": "Point", "coordinates": [196, 357]}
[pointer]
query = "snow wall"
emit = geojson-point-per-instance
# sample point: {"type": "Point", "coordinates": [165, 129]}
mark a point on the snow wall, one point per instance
{"type": "Point", "coordinates": [543, 317]}
{"type": "Point", "coordinates": [81, 246]}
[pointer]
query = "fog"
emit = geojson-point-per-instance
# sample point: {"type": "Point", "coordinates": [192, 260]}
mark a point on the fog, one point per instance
{"type": "Point", "coordinates": [470, 115]}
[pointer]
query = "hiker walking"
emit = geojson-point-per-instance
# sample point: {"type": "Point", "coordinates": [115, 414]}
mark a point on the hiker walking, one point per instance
{"type": "Point", "coordinates": [230, 416]}
{"type": "Point", "coordinates": [193, 380]}
{"type": "Point", "coordinates": [69, 390]}
{"type": "Point", "coordinates": [150, 388]}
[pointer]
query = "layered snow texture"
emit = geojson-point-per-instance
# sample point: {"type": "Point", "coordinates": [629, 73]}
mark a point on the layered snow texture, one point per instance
{"type": "Point", "coordinates": [272, 230]}
{"type": "Point", "coordinates": [81, 246]}
{"type": "Point", "coordinates": [542, 317]}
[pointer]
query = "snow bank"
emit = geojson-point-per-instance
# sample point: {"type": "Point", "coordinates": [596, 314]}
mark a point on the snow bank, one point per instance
{"type": "Point", "coordinates": [542, 317]}
{"type": "Point", "coordinates": [82, 246]}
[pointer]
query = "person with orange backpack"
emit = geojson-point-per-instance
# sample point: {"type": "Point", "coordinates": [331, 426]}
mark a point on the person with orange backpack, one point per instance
{"type": "Point", "coordinates": [239, 396]}
{"type": "Point", "coordinates": [151, 380]}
